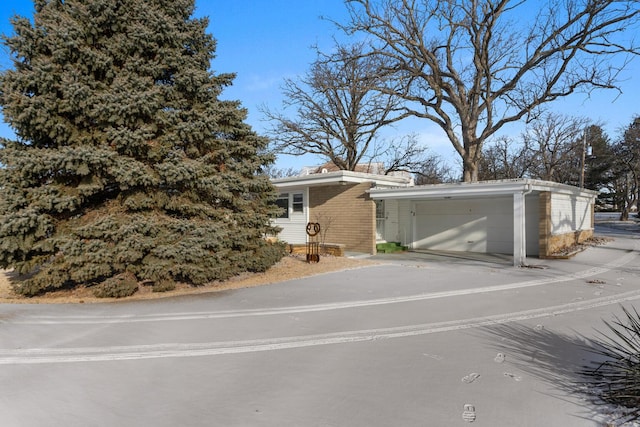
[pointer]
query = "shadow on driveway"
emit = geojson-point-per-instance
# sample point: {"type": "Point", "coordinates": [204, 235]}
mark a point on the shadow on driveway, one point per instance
{"type": "Point", "coordinates": [450, 257]}
{"type": "Point", "coordinates": [558, 359]}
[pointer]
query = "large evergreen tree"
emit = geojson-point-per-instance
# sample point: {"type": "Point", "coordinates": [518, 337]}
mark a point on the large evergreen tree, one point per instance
{"type": "Point", "coordinates": [126, 164]}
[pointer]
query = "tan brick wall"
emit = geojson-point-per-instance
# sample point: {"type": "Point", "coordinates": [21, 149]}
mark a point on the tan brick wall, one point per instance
{"type": "Point", "coordinates": [544, 226]}
{"type": "Point", "coordinates": [346, 214]}
{"type": "Point", "coordinates": [333, 249]}
{"type": "Point", "coordinates": [568, 239]}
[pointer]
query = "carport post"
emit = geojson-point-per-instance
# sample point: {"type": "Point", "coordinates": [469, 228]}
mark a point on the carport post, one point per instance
{"type": "Point", "coordinates": [519, 230]}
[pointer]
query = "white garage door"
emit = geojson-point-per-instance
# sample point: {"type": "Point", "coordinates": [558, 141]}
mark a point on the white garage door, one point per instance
{"type": "Point", "coordinates": [473, 225]}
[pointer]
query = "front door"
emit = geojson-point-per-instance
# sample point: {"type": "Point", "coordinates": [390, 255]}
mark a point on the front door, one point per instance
{"type": "Point", "coordinates": [380, 220]}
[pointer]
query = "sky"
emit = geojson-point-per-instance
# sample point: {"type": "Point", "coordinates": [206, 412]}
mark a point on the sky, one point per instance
{"type": "Point", "coordinates": [265, 41]}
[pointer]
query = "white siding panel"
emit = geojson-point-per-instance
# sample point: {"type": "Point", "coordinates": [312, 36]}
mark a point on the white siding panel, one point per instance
{"type": "Point", "coordinates": [391, 221]}
{"type": "Point", "coordinates": [569, 213]}
{"type": "Point", "coordinates": [293, 232]}
{"type": "Point", "coordinates": [562, 220]}
{"type": "Point", "coordinates": [405, 230]}
{"type": "Point", "coordinates": [583, 214]}
{"type": "Point", "coordinates": [294, 228]}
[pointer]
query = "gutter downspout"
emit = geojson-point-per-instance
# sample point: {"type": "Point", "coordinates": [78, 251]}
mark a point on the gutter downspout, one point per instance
{"type": "Point", "coordinates": [520, 226]}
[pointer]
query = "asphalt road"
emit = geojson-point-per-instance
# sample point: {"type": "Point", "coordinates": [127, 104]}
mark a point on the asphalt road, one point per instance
{"type": "Point", "coordinates": [412, 342]}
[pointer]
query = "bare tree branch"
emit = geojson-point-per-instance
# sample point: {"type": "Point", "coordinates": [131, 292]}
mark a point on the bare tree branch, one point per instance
{"type": "Point", "coordinates": [404, 154]}
{"type": "Point", "coordinates": [472, 66]}
{"type": "Point", "coordinates": [338, 114]}
{"type": "Point", "coordinates": [555, 144]}
{"type": "Point", "coordinates": [505, 159]}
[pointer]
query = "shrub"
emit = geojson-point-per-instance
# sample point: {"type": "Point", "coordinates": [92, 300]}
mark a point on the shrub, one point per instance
{"type": "Point", "coordinates": [616, 376]}
{"type": "Point", "coordinates": [164, 285]}
{"type": "Point", "coordinates": [264, 257]}
{"type": "Point", "coordinates": [120, 286]}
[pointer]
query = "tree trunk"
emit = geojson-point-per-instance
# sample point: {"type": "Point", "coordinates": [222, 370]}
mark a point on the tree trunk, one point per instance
{"type": "Point", "coordinates": [470, 163]}
{"type": "Point", "coordinates": [624, 213]}
{"type": "Point", "coordinates": [470, 173]}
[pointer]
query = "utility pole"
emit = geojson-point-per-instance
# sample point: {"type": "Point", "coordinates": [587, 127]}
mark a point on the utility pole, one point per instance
{"type": "Point", "coordinates": [585, 148]}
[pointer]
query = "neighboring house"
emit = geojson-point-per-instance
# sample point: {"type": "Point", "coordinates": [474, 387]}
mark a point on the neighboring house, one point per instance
{"type": "Point", "coordinates": [519, 217]}
{"type": "Point", "coordinates": [374, 168]}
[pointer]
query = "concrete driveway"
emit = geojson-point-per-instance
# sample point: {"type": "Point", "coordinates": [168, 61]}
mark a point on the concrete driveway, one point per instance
{"type": "Point", "coordinates": [411, 342]}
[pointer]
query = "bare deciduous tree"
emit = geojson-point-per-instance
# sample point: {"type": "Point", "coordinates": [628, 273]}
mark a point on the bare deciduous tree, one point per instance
{"type": "Point", "coordinates": [326, 221]}
{"type": "Point", "coordinates": [472, 66]}
{"type": "Point", "coordinates": [555, 144]}
{"type": "Point", "coordinates": [274, 172]}
{"type": "Point", "coordinates": [434, 171]}
{"type": "Point", "coordinates": [337, 113]}
{"type": "Point", "coordinates": [404, 154]}
{"type": "Point", "coordinates": [504, 159]}
{"type": "Point", "coordinates": [627, 168]}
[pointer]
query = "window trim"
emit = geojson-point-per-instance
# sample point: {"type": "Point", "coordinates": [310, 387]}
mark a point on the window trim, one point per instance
{"type": "Point", "coordinates": [282, 197]}
{"type": "Point", "coordinates": [295, 202]}
{"type": "Point", "coordinates": [297, 206]}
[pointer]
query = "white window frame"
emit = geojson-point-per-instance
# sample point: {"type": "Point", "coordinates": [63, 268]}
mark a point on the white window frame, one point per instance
{"type": "Point", "coordinates": [295, 205]}
{"type": "Point", "coordinates": [286, 213]}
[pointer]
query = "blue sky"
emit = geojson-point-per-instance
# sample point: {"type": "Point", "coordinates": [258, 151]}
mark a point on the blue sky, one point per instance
{"type": "Point", "coordinates": [265, 41]}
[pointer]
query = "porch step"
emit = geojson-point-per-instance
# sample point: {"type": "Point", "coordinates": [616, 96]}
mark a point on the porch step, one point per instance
{"type": "Point", "coordinates": [390, 247]}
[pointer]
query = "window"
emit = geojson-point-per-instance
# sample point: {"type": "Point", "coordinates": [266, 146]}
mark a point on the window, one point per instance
{"type": "Point", "coordinates": [283, 203]}
{"type": "Point", "coordinates": [291, 205]}
{"type": "Point", "coordinates": [298, 205]}
{"type": "Point", "coordinates": [380, 212]}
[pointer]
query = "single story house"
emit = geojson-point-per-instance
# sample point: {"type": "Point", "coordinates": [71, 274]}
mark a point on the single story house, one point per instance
{"type": "Point", "coordinates": [519, 217]}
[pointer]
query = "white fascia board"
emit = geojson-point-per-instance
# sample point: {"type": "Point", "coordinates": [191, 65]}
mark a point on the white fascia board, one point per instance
{"type": "Point", "coordinates": [445, 191]}
{"type": "Point", "coordinates": [558, 188]}
{"type": "Point", "coordinates": [339, 177]}
{"type": "Point", "coordinates": [477, 189]}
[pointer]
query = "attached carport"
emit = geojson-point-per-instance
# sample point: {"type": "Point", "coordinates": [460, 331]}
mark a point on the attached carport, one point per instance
{"type": "Point", "coordinates": [505, 217]}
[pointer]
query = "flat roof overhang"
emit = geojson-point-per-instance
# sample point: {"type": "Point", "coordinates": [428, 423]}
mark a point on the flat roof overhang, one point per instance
{"type": "Point", "coordinates": [477, 189]}
{"type": "Point", "coordinates": [339, 177]}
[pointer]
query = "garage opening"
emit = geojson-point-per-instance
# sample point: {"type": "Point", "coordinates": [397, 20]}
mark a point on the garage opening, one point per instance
{"type": "Point", "coordinates": [483, 225]}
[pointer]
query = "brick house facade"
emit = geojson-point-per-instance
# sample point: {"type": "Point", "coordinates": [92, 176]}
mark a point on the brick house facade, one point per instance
{"type": "Point", "coordinates": [346, 214]}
